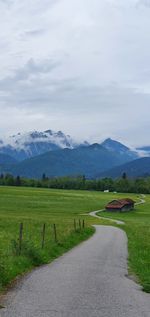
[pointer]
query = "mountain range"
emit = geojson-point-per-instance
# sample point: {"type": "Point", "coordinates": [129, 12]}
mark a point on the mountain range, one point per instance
{"type": "Point", "coordinates": [88, 160]}
{"type": "Point", "coordinates": [136, 168]}
{"type": "Point", "coordinates": [56, 154]}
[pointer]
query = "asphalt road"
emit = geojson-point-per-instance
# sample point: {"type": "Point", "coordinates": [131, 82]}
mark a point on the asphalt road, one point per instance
{"type": "Point", "coordinates": [88, 281]}
{"type": "Point", "coordinates": [94, 214]}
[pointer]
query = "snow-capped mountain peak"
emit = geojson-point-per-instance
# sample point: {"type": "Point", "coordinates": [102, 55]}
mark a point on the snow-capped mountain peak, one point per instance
{"type": "Point", "coordinates": [30, 144]}
{"type": "Point", "coordinates": [113, 144]}
{"type": "Point", "coordinates": [116, 146]}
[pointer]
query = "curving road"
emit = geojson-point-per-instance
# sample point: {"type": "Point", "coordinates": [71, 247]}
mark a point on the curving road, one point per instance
{"type": "Point", "coordinates": [118, 222]}
{"type": "Point", "coordinates": [94, 214]}
{"type": "Point", "coordinates": [88, 281]}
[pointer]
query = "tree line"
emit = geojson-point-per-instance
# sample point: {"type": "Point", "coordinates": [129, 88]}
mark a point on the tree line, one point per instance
{"type": "Point", "coordinates": [122, 184]}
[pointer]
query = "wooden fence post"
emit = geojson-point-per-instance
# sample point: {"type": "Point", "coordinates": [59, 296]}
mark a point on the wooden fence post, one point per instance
{"type": "Point", "coordinates": [55, 233]}
{"type": "Point", "coordinates": [43, 236]}
{"type": "Point", "coordinates": [20, 237]}
{"type": "Point", "coordinates": [79, 224]}
{"type": "Point", "coordinates": [75, 227]}
{"type": "Point", "coordinates": [83, 224]}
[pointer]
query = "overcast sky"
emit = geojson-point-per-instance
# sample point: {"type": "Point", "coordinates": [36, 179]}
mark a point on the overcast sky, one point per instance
{"type": "Point", "coordinates": [80, 66]}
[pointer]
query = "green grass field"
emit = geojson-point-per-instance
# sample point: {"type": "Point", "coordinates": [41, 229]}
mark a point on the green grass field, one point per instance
{"type": "Point", "coordinates": [34, 207]}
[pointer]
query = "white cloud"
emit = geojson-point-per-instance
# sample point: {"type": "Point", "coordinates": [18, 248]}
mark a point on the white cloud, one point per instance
{"type": "Point", "coordinates": [74, 65]}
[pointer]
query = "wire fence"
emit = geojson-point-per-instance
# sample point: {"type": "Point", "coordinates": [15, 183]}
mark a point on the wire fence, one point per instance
{"type": "Point", "coordinates": [28, 244]}
{"type": "Point", "coordinates": [48, 233]}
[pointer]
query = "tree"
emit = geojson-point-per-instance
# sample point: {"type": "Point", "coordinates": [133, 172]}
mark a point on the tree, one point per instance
{"type": "Point", "coordinates": [9, 180]}
{"type": "Point", "coordinates": [43, 177]}
{"type": "Point", "coordinates": [18, 181]}
{"type": "Point", "coordinates": [124, 175]}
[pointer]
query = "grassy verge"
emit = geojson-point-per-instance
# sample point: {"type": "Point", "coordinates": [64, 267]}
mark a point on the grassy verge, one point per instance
{"type": "Point", "coordinates": [137, 227]}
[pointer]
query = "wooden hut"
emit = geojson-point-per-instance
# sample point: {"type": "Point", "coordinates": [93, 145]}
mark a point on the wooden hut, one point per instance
{"type": "Point", "coordinates": [121, 205]}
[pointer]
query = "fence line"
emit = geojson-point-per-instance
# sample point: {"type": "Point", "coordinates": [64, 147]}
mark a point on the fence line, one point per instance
{"type": "Point", "coordinates": [77, 229]}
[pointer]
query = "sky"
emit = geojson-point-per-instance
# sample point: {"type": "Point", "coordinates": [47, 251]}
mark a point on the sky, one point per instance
{"type": "Point", "coordinates": [80, 66]}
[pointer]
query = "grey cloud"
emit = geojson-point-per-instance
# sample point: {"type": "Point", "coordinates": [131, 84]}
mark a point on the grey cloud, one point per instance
{"type": "Point", "coordinates": [69, 95]}
{"type": "Point", "coordinates": [145, 3]}
{"type": "Point", "coordinates": [78, 49]}
{"type": "Point", "coordinates": [7, 2]}
{"type": "Point", "coordinates": [33, 67]}
{"type": "Point", "coordinates": [101, 110]}
{"type": "Point", "coordinates": [4, 45]}
{"type": "Point", "coordinates": [34, 33]}
{"type": "Point", "coordinates": [43, 6]}
{"type": "Point", "coordinates": [29, 69]}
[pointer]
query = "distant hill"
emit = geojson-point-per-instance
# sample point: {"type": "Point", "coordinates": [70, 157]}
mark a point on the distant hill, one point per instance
{"type": "Point", "coordinates": [136, 168]}
{"type": "Point", "coordinates": [6, 159]}
{"type": "Point", "coordinates": [121, 149]}
{"type": "Point", "coordinates": [144, 150]}
{"type": "Point", "coordinates": [87, 160]}
{"type": "Point", "coordinates": [6, 162]}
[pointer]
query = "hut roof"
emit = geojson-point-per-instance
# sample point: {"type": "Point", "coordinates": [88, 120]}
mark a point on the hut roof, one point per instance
{"type": "Point", "coordinates": [119, 203]}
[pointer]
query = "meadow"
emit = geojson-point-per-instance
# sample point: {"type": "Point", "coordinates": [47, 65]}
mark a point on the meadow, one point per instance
{"type": "Point", "coordinates": [35, 206]}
